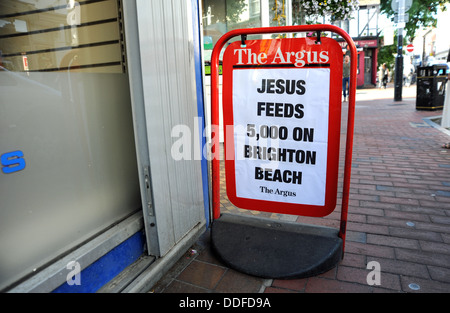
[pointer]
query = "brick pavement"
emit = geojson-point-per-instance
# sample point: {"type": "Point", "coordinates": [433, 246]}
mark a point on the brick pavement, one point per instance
{"type": "Point", "coordinates": [399, 213]}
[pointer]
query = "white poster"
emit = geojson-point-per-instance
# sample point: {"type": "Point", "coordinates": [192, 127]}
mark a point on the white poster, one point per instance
{"type": "Point", "coordinates": [281, 133]}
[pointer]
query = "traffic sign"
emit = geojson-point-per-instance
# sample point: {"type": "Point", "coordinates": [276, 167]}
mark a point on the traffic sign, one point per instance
{"type": "Point", "coordinates": [410, 48]}
{"type": "Point", "coordinates": [395, 5]}
{"type": "Point", "coordinates": [401, 18]}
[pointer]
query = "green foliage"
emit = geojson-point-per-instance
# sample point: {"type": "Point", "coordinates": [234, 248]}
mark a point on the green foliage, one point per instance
{"type": "Point", "coordinates": [336, 9]}
{"type": "Point", "coordinates": [234, 9]}
{"type": "Point", "coordinates": [421, 14]}
{"type": "Point", "coordinates": [386, 54]}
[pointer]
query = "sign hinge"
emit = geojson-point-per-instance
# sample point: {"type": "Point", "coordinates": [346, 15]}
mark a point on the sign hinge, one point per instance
{"type": "Point", "coordinates": [148, 192]}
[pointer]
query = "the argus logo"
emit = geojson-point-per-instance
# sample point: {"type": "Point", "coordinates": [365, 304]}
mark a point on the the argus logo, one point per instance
{"type": "Point", "coordinates": [12, 162]}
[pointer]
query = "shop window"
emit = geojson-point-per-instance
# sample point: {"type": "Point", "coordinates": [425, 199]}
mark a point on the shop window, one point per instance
{"type": "Point", "coordinates": [54, 36]}
{"type": "Point", "coordinates": [221, 16]}
{"type": "Point", "coordinates": [67, 149]}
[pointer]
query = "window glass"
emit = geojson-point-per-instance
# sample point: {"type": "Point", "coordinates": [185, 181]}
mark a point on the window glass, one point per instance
{"type": "Point", "coordinates": [221, 16]}
{"type": "Point", "coordinates": [48, 36]}
{"type": "Point", "coordinates": [68, 160]}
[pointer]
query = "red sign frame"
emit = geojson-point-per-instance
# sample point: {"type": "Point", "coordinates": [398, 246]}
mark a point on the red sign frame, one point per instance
{"type": "Point", "coordinates": [215, 116]}
{"type": "Point", "coordinates": [310, 50]}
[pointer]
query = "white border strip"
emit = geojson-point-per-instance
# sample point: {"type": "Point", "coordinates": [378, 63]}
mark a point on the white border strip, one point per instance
{"type": "Point", "coordinates": [429, 121]}
{"type": "Point", "coordinates": [53, 276]}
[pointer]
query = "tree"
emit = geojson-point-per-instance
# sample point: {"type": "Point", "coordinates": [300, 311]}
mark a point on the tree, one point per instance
{"type": "Point", "coordinates": [337, 10]}
{"type": "Point", "coordinates": [421, 14]}
{"type": "Point", "coordinates": [386, 54]}
{"type": "Point", "coordinates": [234, 9]}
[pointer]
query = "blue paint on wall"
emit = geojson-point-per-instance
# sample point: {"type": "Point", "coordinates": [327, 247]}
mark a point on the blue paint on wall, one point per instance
{"type": "Point", "coordinates": [96, 275]}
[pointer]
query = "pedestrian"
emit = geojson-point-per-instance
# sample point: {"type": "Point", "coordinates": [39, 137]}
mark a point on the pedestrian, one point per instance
{"type": "Point", "coordinates": [380, 76]}
{"type": "Point", "coordinates": [384, 75]}
{"type": "Point", "coordinates": [346, 76]}
{"type": "Point", "coordinates": [347, 51]}
{"type": "Point", "coordinates": [407, 72]}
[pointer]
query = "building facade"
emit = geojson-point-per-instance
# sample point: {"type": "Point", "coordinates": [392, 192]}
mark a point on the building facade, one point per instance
{"type": "Point", "coordinates": [104, 181]}
{"type": "Point", "coordinates": [93, 95]}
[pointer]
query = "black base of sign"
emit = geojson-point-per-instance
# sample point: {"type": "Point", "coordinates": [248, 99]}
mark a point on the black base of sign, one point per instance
{"type": "Point", "coordinates": [275, 249]}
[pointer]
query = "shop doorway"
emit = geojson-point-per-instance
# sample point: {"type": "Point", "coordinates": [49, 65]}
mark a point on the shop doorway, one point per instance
{"type": "Point", "coordinates": [368, 59]}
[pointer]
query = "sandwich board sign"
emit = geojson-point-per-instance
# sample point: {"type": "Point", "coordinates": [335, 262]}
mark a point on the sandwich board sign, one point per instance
{"type": "Point", "coordinates": [282, 115]}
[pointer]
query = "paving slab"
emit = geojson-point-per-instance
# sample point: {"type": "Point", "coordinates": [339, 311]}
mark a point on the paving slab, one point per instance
{"type": "Point", "coordinates": [399, 213]}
